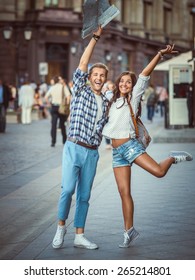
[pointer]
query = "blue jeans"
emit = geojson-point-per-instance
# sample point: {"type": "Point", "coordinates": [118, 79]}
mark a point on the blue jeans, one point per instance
{"type": "Point", "coordinates": [150, 112]}
{"type": "Point", "coordinates": [78, 172]}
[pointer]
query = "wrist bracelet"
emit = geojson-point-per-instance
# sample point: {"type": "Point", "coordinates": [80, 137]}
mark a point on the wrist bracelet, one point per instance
{"type": "Point", "coordinates": [96, 37]}
{"type": "Point", "coordinates": [161, 55]}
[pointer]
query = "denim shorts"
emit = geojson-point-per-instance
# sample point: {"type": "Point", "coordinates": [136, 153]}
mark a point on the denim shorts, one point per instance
{"type": "Point", "coordinates": [125, 154]}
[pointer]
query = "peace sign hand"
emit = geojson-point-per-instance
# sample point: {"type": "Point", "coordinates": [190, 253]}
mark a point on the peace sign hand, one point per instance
{"type": "Point", "coordinates": [169, 50]}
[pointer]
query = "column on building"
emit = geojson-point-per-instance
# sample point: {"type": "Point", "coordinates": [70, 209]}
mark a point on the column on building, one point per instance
{"type": "Point", "coordinates": [118, 4]}
{"type": "Point", "coordinates": [180, 21]}
{"type": "Point", "coordinates": [133, 16]}
{"type": "Point", "coordinates": [40, 4]}
{"type": "Point", "coordinates": [77, 5]}
{"type": "Point", "coordinates": [126, 12]}
{"type": "Point", "coordinates": [158, 20]}
{"type": "Point", "coordinates": [148, 18]}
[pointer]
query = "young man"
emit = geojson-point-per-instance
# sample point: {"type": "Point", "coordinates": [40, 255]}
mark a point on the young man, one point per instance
{"type": "Point", "coordinates": [54, 94]}
{"type": "Point", "coordinates": [80, 155]}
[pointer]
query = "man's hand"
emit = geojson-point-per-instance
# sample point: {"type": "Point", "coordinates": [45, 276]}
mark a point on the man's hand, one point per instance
{"type": "Point", "coordinates": [99, 31]}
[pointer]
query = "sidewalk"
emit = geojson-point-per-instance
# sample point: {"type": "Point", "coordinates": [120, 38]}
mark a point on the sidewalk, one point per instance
{"type": "Point", "coordinates": [30, 186]}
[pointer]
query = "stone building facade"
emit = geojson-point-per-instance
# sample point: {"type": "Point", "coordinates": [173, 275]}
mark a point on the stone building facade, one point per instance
{"type": "Point", "coordinates": [128, 42]}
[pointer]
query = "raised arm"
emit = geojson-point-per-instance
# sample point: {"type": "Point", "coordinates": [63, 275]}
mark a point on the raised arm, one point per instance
{"type": "Point", "coordinates": [152, 64]}
{"type": "Point", "coordinates": [84, 61]}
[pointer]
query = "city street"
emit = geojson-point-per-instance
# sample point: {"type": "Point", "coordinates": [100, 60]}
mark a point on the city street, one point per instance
{"type": "Point", "coordinates": [30, 176]}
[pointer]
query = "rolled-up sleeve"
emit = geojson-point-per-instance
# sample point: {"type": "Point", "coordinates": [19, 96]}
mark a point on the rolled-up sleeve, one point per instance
{"type": "Point", "coordinates": [138, 91]}
{"type": "Point", "coordinates": [79, 80]}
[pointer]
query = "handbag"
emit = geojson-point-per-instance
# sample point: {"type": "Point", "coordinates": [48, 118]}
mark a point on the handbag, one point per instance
{"type": "Point", "coordinates": [141, 132]}
{"type": "Point", "coordinates": [64, 108]}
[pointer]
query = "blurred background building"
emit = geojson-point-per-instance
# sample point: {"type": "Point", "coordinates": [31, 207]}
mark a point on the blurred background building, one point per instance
{"type": "Point", "coordinates": [42, 38]}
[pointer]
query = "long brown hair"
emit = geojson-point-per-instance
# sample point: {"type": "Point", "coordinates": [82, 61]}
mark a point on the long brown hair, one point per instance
{"type": "Point", "coordinates": [116, 91]}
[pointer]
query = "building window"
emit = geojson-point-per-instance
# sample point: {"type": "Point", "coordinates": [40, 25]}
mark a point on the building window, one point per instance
{"type": "Point", "coordinates": [51, 3]}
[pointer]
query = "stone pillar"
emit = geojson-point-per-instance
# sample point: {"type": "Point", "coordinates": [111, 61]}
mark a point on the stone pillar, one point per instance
{"type": "Point", "coordinates": [77, 5]}
{"type": "Point", "coordinates": [177, 21]}
{"type": "Point", "coordinates": [62, 3]}
{"type": "Point", "coordinates": [137, 12]}
{"type": "Point", "coordinates": [158, 20]}
{"type": "Point", "coordinates": [127, 11]}
{"type": "Point", "coordinates": [40, 4]}
{"type": "Point", "coordinates": [118, 4]}
{"type": "Point", "coordinates": [180, 23]}
{"type": "Point", "coordinates": [136, 18]}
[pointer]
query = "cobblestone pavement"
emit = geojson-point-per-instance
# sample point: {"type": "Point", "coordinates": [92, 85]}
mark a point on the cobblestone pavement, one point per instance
{"type": "Point", "coordinates": [23, 146]}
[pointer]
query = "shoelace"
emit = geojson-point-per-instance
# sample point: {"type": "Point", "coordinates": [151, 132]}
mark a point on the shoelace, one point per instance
{"type": "Point", "coordinates": [180, 158]}
{"type": "Point", "coordinates": [126, 237]}
{"type": "Point", "coordinates": [86, 240]}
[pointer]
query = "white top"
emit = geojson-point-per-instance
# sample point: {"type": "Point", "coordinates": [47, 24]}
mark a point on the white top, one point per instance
{"type": "Point", "coordinates": [26, 96]}
{"type": "Point", "coordinates": [55, 93]}
{"type": "Point", "coordinates": [120, 124]}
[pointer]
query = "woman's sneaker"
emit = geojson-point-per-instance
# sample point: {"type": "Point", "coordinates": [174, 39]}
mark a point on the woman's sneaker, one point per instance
{"type": "Point", "coordinates": [59, 237]}
{"type": "Point", "coordinates": [129, 236]}
{"type": "Point", "coordinates": [180, 156]}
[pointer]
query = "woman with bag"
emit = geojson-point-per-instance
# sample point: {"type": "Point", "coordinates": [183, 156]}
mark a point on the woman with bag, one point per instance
{"type": "Point", "coordinates": [127, 148]}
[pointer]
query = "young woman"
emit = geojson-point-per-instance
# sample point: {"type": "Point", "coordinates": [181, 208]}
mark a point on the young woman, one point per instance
{"type": "Point", "coordinates": [126, 148]}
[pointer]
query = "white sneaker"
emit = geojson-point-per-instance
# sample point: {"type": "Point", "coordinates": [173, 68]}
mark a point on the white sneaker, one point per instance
{"type": "Point", "coordinates": [129, 236]}
{"type": "Point", "coordinates": [180, 156]}
{"type": "Point", "coordinates": [81, 241]}
{"type": "Point", "coordinates": [59, 237]}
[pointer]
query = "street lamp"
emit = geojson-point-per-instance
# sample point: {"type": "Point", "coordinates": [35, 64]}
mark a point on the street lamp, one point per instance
{"type": "Point", "coordinates": [27, 33]}
{"type": "Point", "coordinates": [73, 49]}
{"type": "Point", "coordinates": [8, 31]}
{"type": "Point", "coordinates": [120, 57]}
{"type": "Point", "coordinates": [108, 56]}
{"type": "Point", "coordinates": [7, 34]}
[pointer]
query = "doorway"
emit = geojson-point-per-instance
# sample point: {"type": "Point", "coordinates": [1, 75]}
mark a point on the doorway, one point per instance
{"type": "Point", "coordinates": [57, 58]}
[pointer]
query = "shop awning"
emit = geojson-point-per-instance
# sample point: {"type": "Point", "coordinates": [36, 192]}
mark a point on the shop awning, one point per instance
{"type": "Point", "coordinates": [181, 59]}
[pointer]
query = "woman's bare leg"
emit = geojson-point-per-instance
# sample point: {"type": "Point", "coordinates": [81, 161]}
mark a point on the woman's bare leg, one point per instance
{"type": "Point", "coordinates": [149, 164]}
{"type": "Point", "coordinates": [123, 180]}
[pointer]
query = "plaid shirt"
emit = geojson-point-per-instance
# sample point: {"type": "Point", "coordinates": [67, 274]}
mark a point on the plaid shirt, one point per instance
{"type": "Point", "coordinates": [84, 110]}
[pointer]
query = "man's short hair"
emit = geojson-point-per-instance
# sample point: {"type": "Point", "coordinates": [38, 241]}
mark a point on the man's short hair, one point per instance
{"type": "Point", "coordinates": [56, 79]}
{"type": "Point", "coordinates": [98, 65]}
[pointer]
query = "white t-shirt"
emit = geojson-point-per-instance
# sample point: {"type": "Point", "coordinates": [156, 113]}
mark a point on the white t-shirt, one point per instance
{"type": "Point", "coordinates": [99, 112]}
{"type": "Point", "coordinates": [55, 93]}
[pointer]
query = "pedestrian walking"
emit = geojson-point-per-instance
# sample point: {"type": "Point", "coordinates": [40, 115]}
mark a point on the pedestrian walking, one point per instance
{"type": "Point", "coordinates": [26, 102]}
{"type": "Point", "coordinates": [151, 103]}
{"type": "Point", "coordinates": [54, 97]}
{"type": "Point", "coordinates": [5, 96]}
{"type": "Point", "coordinates": [162, 97]}
{"type": "Point", "coordinates": [126, 147]}
{"type": "Point", "coordinates": [80, 154]}
{"type": "Point", "coordinates": [190, 103]}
